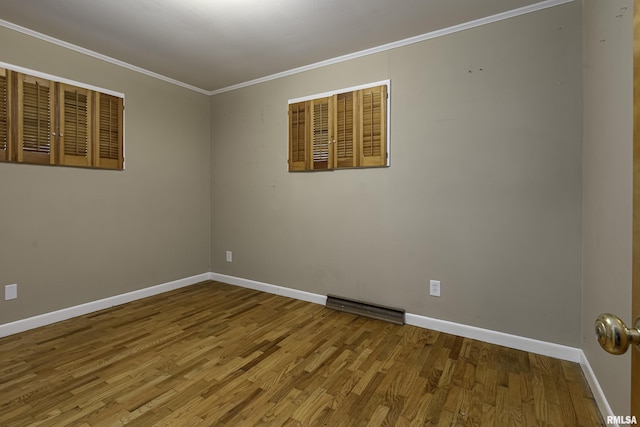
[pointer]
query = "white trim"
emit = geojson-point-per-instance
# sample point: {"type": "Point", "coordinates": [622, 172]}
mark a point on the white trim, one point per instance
{"type": "Point", "coordinates": [439, 33]}
{"type": "Point", "coordinates": [27, 31]}
{"type": "Point", "coordinates": [79, 310]}
{"type": "Point", "coordinates": [386, 83]}
{"type": "Point", "coordinates": [530, 345]}
{"type": "Point", "coordinates": [544, 348]}
{"type": "Point", "coordinates": [46, 76]}
{"type": "Point", "coordinates": [272, 289]}
{"type": "Point", "coordinates": [513, 341]}
{"type": "Point", "coordinates": [400, 43]}
{"type": "Point", "coordinates": [51, 77]}
{"type": "Point", "coordinates": [598, 394]}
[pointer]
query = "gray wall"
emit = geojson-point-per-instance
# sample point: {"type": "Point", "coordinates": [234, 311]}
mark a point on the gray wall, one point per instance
{"type": "Point", "coordinates": [490, 190]}
{"type": "Point", "coordinates": [484, 190]}
{"type": "Point", "coordinates": [70, 236]}
{"type": "Point", "coordinates": [608, 162]}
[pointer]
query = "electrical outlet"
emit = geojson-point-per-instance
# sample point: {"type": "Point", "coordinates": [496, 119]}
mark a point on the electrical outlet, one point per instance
{"type": "Point", "coordinates": [229, 256]}
{"type": "Point", "coordinates": [434, 288]}
{"type": "Point", "coordinates": [10, 292]}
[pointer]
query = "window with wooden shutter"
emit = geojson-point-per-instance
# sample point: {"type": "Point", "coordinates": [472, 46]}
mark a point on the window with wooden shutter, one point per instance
{"type": "Point", "coordinates": [372, 126]}
{"type": "Point", "coordinates": [345, 137]}
{"type": "Point", "coordinates": [35, 120]}
{"type": "Point", "coordinates": [109, 132]}
{"type": "Point", "coordinates": [75, 125]}
{"type": "Point", "coordinates": [347, 129]}
{"type": "Point", "coordinates": [43, 121]}
{"type": "Point", "coordinates": [4, 111]}
{"type": "Point", "coordinates": [321, 133]}
{"type": "Point", "coordinates": [298, 140]}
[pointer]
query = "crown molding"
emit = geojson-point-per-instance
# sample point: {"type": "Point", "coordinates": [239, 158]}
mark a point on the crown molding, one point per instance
{"type": "Point", "coordinates": [405, 42]}
{"type": "Point", "coordinates": [434, 34]}
{"type": "Point", "coordinates": [97, 55]}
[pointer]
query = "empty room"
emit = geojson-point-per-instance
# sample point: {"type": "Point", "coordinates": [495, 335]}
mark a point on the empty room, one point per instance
{"type": "Point", "coordinates": [332, 213]}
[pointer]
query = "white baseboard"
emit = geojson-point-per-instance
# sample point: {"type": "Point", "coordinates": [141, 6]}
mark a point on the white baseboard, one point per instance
{"type": "Point", "coordinates": [272, 289]}
{"type": "Point", "coordinates": [558, 351]}
{"type": "Point", "coordinates": [79, 310]}
{"type": "Point", "coordinates": [598, 394]}
{"type": "Point", "coordinates": [544, 348]}
{"type": "Point", "coordinates": [499, 338]}
{"type": "Point", "coordinates": [486, 335]}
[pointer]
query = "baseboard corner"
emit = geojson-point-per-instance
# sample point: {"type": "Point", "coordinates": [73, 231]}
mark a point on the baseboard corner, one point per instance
{"type": "Point", "coordinates": [594, 384]}
{"type": "Point", "coordinates": [44, 319]}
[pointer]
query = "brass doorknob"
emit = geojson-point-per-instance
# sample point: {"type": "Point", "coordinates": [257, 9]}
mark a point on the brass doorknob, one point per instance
{"type": "Point", "coordinates": [614, 336]}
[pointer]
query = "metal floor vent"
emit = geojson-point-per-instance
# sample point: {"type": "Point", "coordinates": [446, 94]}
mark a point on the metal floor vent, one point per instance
{"type": "Point", "coordinates": [375, 311]}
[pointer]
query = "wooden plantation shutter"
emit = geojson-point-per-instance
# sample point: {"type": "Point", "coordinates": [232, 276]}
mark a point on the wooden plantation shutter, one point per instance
{"type": "Point", "coordinates": [298, 139]}
{"type": "Point", "coordinates": [35, 120]}
{"type": "Point", "coordinates": [47, 122]}
{"type": "Point", "coordinates": [109, 132]}
{"type": "Point", "coordinates": [345, 139]}
{"type": "Point", "coordinates": [75, 125]}
{"type": "Point", "coordinates": [321, 133]}
{"type": "Point", "coordinates": [373, 102]}
{"type": "Point", "coordinates": [344, 130]}
{"type": "Point", "coordinates": [4, 113]}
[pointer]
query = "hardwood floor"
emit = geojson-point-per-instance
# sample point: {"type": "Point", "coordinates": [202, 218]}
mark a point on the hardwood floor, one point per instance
{"type": "Point", "coordinates": [213, 355]}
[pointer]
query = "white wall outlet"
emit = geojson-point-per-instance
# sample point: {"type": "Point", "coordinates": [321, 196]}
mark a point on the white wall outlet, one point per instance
{"type": "Point", "coordinates": [229, 256]}
{"type": "Point", "coordinates": [434, 288]}
{"type": "Point", "coordinates": [10, 292]}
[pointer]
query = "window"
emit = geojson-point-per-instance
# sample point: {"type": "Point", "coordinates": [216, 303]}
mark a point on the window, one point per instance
{"type": "Point", "coordinates": [43, 121]}
{"type": "Point", "coordinates": [4, 141]}
{"type": "Point", "coordinates": [341, 130]}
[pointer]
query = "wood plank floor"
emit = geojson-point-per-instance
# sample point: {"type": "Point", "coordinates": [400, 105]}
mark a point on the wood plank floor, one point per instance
{"type": "Point", "coordinates": [213, 355]}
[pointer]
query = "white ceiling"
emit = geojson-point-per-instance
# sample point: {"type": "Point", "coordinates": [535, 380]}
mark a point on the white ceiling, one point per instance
{"type": "Point", "coordinates": [210, 45]}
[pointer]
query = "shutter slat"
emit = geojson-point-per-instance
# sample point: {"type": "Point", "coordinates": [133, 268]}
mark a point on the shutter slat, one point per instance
{"type": "Point", "coordinates": [110, 132]}
{"type": "Point", "coordinates": [108, 128]}
{"type": "Point", "coordinates": [373, 126]}
{"type": "Point", "coordinates": [298, 136]}
{"type": "Point", "coordinates": [36, 119]}
{"type": "Point", "coordinates": [298, 124]}
{"type": "Point", "coordinates": [4, 124]}
{"type": "Point", "coordinates": [344, 149]}
{"type": "Point", "coordinates": [3, 112]}
{"type": "Point", "coordinates": [76, 119]}
{"type": "Point", "coordinates": [320, 141]}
